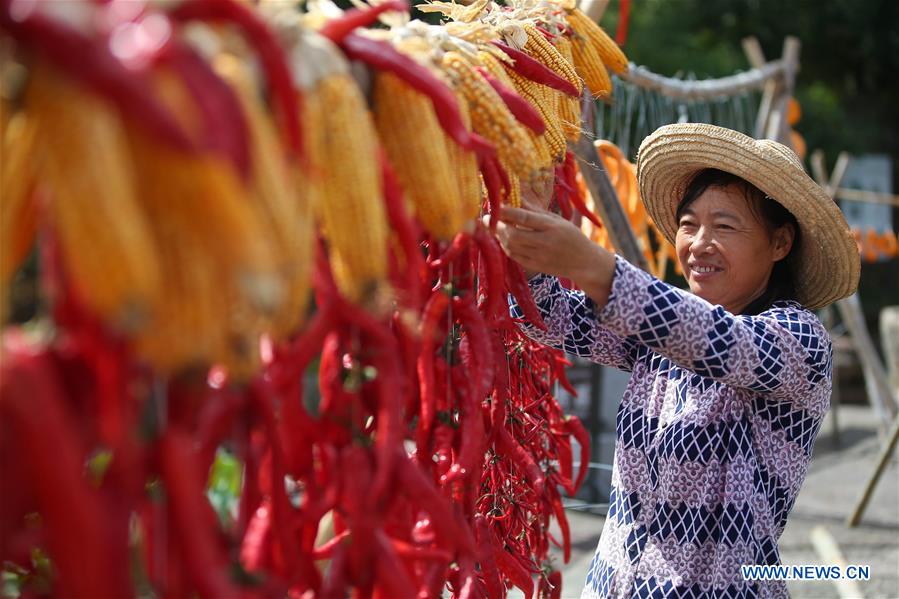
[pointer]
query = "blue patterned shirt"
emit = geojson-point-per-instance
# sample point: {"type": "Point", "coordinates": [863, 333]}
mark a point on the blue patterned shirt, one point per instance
{"type": "Point", "coordinates": [713, 436]}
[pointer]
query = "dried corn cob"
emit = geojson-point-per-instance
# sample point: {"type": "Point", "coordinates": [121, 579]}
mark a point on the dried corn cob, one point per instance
{"type": "Point", "coordinates": [569, 108]}
{"type": "Point", "coordinates": [496, 68]}
{"type": "Point", "coordinates": [464, 165]}
{"type": "Point", "coordinates": [286, 212]}
{"type": "Point", "coordinates": [18, 215]}
{"type": "Point", "coordinates": [343, 155]}
{"type": "Point", "coordinates": [404, 117]}
{"type": "Point", "coordinates": [107, 247]}
{"type": "Point", "coordinates": [541, 49]}
{"type": "Point", "coordinates": [589, 64]}
{"type": "Point", "coordinates": [539, 96]}
{"type": "Point", "coordinates": [490, 117]}
{"type": "Point", "coordinates": [217, 253]}
{"type": "Point", "coordinates": [606, 48]}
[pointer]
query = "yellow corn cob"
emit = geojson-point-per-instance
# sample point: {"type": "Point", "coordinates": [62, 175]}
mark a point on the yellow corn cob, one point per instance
{"type": "Point", "coordinates": [490, 117]}
{"type": "Point", "coordinates": [217, 254]}
{"type": "Point", "coordinates": [541, 49]}
{"type": "Point", "coordinates": [107, 247]}
{"type": "Point", "coordinates": [514, 197]}
{"type": "Point", "coordinates": [569, 108]}
{"type": "Point", "coordinates": [588, 64]}
{"type": "Point", "coordinates": [343, 156]}
{"type": "Point", "coordinates": [18, 216]}
{"type": "Point", "coordinates": [606, 48]}
{"type": "Point", "coordinates": [464, 165]}
{"type": "Point", "coordinates": [538, 96]}
{"type": "Point", "coordinates": [496, 68]}
{"type": "Point", "coordinates": [414, 142]}
{"type": "Point", "coordinates": [286, 213]}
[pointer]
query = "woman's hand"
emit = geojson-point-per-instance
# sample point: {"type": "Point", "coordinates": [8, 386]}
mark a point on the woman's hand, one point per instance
{"type": "Point", "coordinates": [544, 242]}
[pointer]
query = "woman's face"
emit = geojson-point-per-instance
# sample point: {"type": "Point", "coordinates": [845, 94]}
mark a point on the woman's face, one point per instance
{"type": "Point", "coordinates": [725, 250]}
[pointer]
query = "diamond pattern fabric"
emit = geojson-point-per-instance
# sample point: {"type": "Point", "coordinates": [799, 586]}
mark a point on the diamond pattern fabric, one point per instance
{"type": "Point", "coordinates": [714, 432]}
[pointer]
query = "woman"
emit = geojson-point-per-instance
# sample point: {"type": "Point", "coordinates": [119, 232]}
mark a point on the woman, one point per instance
{"type": "Point", "coordinates": [730, 382]}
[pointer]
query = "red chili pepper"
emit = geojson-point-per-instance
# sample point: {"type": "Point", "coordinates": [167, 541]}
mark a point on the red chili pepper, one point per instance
{"type": "Point", "coordinates": [338, 28]}
{"type": "Point", "coordinates": [536, 71]}
{"type": "Point", "coordinates": [518, 286]}
{"type": "Point", "coordinates": [520, 108]}
{"type": "Point", "coordinates": [459, 243]}
{"type": "Point", "coordinates": [432, 316]}
{"type": "Point", "coordinates": [326, 551]}
{"type": "Point", "coordinates": [487, 559]}
{"type": "Point", "coordinates": [512, 569]}
{"type": "Point", "coordinates": [501, 384]}
{"type": "Point", "coordinates": [91, 63]}
{"type": "Point", "coordinates": [551, 585]}
{"type": "Point", "coordinates": [562, 519]}
{"type": "Point", "coordinates": [562, 196]}
{"type": "Point", "coordinates": [412, 552]}
{"type": "Point", "coordinates": [519, 456]}
{"type": "Point", "coordinates": [393, 577]}
{"type": "Point", "coordinates": [290, 363]}
{"type": "Point", "coordinates": [497, 183]}
{"type": "Point", "coordinates": [443, 450]}
{"type": "Point", "coordinates": [407, 232]}
{"type": "Point", "coordinates": [224, 128]}
{"type": "Point", "coordinates": [471, 432]}
{"type": "Point", "coordinates": [256, 545]}
{"type": "Point", "coordinates": [79, 538]}
{"type": "Point", "coordinates": [216, 420]}
{"type": "Point", "coordinates": [271, 55]}
{"type": "Point", "coordinates": [194, 522]}
{"type": "Point", "coordinates": [381, 55]}
{"type": "Point", "coordinates": [496, 307]}
{"type": "Point", "coordinates": [286, 543]}
{"type": "Point", "coordinates": [569, 173]}
{"type": "Point", "coordinates": [566, 468]}
{"type": "Point", "coordinates": [413, 484]}
{"type": "Point", "coordinates": [577, 430]}
{"type": "Point", "coordinates": [335, 583]}
{"type": "Point", "coordinates": [389, 390]}
{"type": "Point", "coordinates": [474, 340]}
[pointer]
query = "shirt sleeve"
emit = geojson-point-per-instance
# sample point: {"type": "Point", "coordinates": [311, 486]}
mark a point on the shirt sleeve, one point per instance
{"type": "Point", "coordinates": [783, 351]}
{"type": "Point", "coordinates": [572, 326]}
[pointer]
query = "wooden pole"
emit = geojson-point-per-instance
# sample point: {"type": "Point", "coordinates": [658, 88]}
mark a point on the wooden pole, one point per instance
{"type": "Point", "coordinates": [594, 8]}
{"type": "Point", "coordinates": [777, 127]}
{"type": "Point", "coordinates": [877, 386]}
{"type": "Point", "coordinates": [884, 457]}
{"type": "Point", "coordinates": [753, 51]}
{"type": "Point", "coordinates": [607, 203]}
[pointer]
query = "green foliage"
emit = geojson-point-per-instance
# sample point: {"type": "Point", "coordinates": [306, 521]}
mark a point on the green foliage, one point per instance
{"type": "Point", "coordinates": [849, 58]}
{"type": "Point", "coordinates": [223, 490]}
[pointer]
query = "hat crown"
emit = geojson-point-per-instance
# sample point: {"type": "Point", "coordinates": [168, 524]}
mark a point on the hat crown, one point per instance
{"type": "Point", "coordinates": [781, 150]}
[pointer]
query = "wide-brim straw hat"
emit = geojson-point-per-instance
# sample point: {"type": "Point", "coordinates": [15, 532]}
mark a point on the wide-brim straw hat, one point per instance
{"type": "Point", "coordinates": [827, 266]}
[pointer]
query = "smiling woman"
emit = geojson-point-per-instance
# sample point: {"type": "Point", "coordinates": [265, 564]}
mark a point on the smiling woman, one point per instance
{"type": "Point", "coordinates": [730, 380]}
{"type": "Point", "coordinates": [735, 243]}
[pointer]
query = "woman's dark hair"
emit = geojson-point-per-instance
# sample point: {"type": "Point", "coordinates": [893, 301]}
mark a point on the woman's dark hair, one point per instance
{"type": "Point", "coordinates": [769, 212]}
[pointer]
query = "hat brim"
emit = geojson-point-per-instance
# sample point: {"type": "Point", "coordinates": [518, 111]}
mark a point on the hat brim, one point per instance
{"type": "Point", "coordinates": [827, 266]}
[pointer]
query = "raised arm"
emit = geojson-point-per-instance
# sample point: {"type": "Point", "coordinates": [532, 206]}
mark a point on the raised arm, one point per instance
{"type": "Point", "coordinates": [572, 326]}
{"type": "Point", "coordinates": [783, 352]}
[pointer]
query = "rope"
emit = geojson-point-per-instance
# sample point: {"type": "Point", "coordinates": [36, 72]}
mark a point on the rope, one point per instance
{"type": "Point", "coordinates": [705, 89]}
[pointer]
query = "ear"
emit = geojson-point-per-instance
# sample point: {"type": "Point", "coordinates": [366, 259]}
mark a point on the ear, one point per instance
{"type": "Point", "coordinates": [783, 241]}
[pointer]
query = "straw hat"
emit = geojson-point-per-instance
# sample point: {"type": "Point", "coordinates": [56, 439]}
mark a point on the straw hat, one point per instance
{"type": "Point", "coordinates": [827, 266]}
